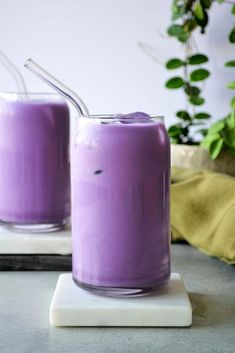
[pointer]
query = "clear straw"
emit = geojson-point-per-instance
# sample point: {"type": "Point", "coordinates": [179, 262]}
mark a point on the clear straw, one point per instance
{"type": "Point", "coordinates": [58, 86]}
{"type": "Point", "coordinates": [16, 74]}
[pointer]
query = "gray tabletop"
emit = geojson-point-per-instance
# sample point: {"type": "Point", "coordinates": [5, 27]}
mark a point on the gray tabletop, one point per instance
{"type": "Point", "coordinates": [24, 314]}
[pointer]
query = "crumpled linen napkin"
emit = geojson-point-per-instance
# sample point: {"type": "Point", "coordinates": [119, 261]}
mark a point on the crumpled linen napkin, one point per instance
{"type": "Point", "coordinates": [203, 211]}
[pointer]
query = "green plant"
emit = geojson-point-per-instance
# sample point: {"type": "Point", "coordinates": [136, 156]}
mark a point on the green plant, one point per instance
{"type": "Point", "coordinates": [187, 16]}
{"type": "Point", "coordinates": [221, 135]}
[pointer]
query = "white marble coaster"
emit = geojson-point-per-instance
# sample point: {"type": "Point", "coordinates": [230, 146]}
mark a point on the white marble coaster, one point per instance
{"type": "Point", "coordinates": [44, 243]}
{"type": "Point", "coordinates": [73, 306]}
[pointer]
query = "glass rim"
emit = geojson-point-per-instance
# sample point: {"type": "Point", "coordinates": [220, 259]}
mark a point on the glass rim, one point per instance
{"type": "Point", "coordinates": [31, 93]}
{"type": "Point", "coordinates": [10, 97]}
{"type": "Point", "coordinates": [154, 117]}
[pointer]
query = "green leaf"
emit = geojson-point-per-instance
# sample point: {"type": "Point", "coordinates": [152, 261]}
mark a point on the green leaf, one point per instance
{"type": "Point", "coordinates": [198, 11]}
{"type": "Point", "coordinates": [174, 83]}
{"type": "Point", "coordinates": [174, 64]}
{"type": "Point", "coordinates": [203, 131]}
{"type": "Point", "coordinates": [210, 137]}
{"type": "Point", "coordinates": [192, 90]}
{"type": "Point", "coordinates": [220, 1]}
{"type": "Point", "coordinates": [200, 16]}
{"type": "Point", "coordinates": [230, 121]}
{"type": "Point", "coordinates": [175, 30]}
{"type": "Point", "coordinates": [215, 148]}
{"type": "Point", "coordinates": [230, 63]}
{"type": "Point", "coordinates": [202, 115]}
{"type": "Point", "coordinates": [197, 59]}
{"type": "Point", "coordinates": [183, 114]}
{"type": "Point", "coordinates": [232, 35]}
{"type": "Point", "coordinates": [199, 75]}
{"type": "Point", "coordinates": [233, 10]}
{"type": "Point", "coordinates": [217, 127]}
{"type": "Point", "coordinates": [190, 25]}
{"type": "Point", "coordinates": [183, 37]}
{"type": "Point", "coordinates": [179, 32]}
{"type": "Point", "coordinates": [185, 131]}
{"type": "Point", "coordinates": [229, 132]}
{"type": "Point", "coordinates": [174, 131]}
{"type": "Point", "coordinates": [229, 139]}
{"type": "Point", "coordinates": [231, 85]}
{"type": "Point", "coordinates": [177, 10]}
{"type": "Point", "coordinates": [206, 4]}
{"type": "Point", "coordinates": [175, 140]}
{"type": "Point", "coordinates": [196, 100]}
{"type": "Point", "coordinates": [232, 103]}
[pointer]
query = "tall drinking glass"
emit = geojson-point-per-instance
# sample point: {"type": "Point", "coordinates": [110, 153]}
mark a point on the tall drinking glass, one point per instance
{"type": "Point", "coordinates": [120, 169]}
{"type": "Point", "coordinates": [34, 161]}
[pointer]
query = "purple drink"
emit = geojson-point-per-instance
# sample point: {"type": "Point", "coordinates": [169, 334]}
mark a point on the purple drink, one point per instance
{"type": "Point", "coordinates": [34, 161]}
{"type": "Point", "coordinates": [120, 204]}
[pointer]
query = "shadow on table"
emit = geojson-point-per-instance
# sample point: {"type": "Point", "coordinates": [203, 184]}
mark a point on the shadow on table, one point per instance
{"type": "Point", "coordinates": [211, 311]}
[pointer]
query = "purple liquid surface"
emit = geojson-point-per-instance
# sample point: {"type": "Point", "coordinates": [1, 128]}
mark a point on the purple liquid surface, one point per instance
{"type": "Point", "coordinates": [120, 203]}
{"type": "Point", "coordinates": [34, 161]}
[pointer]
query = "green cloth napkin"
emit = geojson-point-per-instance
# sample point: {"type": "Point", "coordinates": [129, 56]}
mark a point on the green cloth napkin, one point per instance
{"type": "Point", "coordinates": [203, 211]}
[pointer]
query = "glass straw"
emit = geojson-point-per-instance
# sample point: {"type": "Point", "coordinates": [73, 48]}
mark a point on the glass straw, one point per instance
{"type": "Point", "coordinates": [58, 86]}
{"type": "Point", "coordinates": [16, 74]}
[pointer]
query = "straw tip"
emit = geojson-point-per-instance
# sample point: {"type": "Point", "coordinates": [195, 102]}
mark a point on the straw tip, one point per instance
{"type": "Point", "coordinates": [27, 62]}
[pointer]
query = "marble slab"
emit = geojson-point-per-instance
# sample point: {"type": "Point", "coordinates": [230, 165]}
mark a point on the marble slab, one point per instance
{"type": "Point", "coordinates": [56, 243]}
{"type": "Point", "coordinates": [73, 306]}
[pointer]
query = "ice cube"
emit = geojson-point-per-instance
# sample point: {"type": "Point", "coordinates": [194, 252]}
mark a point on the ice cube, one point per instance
{"type": "Point", "coordinates": [136, 116]}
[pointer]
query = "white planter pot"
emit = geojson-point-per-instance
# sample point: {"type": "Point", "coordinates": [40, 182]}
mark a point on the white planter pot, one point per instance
{"type": "Point", "coordinates": [197, 158]}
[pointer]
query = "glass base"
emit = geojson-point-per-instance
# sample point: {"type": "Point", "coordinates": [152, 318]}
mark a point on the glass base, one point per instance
{"type": "Point", "coordinates": [36, 227]}
{"type": "Point", "coordinates": [121, 292]}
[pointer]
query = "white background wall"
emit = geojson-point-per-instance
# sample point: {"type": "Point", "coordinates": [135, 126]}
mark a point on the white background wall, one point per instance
{"type": "Point", "coordinates": [92, 45]}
